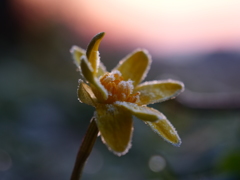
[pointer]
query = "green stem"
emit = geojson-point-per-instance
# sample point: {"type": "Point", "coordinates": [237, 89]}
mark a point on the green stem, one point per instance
{"type": "Point", "coordinates": [85, 150]}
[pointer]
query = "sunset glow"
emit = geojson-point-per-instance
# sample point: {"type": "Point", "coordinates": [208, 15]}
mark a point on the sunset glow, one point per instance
{"type": "Point", "coordinates": [164, 26]}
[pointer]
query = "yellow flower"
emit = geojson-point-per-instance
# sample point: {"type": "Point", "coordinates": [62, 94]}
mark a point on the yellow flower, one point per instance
{"type": "Point", "coordinates": [117, 96]}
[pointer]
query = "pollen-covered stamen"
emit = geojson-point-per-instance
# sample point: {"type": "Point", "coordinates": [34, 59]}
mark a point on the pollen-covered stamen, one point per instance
{"type": "Point", "coordinates": [118, 89]}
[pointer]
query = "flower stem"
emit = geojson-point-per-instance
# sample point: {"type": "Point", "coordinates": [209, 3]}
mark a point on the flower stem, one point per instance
{"type": "Point", "coordinates": [85, 149]}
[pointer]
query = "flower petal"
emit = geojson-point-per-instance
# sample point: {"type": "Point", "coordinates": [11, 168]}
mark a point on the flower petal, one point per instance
{"type": "Point", "coordinates": [77, 52]}
{"type": "Point", "coordinates": [165, 129]}
{"type": "Point", "coordinates": [101, 70]}
{"type": "Point", "coordinates": [86, 69]}
{"type": "Point", "coordinates": [115, 126]}
{"type": "Point", "coordinates": [92, 51]}
{"type": "Point", "coordinates": [87, 72]}
{"type": "Point", "coordinates": [85, 94]}
{"type": "Point", "coordinates": [158, 91]}
{"type": "Point", "coordinates": [142, 112]}
{"type": "Point", "coordinates": [135, 66]}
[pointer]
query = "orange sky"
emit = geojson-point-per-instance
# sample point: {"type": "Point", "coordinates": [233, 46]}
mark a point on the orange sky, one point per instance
{"type": "Point", "coordinates": [163, 26]}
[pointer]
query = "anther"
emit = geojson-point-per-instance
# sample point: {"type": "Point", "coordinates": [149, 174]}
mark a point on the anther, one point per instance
{"type": "Point", "coordinates": [118, 89]}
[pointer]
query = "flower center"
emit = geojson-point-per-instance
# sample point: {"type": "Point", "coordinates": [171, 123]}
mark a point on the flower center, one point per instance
{"type": "Point", "coordinates": [118, 89]}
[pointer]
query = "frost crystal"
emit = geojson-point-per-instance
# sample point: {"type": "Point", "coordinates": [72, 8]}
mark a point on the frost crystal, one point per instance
{"type": "Point", "coordinates": [118, 89]}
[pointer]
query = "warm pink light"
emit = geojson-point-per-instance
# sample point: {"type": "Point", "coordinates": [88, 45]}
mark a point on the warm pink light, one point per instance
{"type": "Point", "coordinates": [162, 25]}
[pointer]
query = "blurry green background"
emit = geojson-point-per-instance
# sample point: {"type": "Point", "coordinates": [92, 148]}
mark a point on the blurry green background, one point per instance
{"type": "Point", "coordinates": [42, 123]}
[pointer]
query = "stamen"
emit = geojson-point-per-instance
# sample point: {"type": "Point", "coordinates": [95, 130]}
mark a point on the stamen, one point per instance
{"type": "Point", "coordinates": [118, 89]}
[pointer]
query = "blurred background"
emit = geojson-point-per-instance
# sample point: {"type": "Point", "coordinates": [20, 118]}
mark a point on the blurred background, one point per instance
{"type": "Point", "coordinates": [42, 123]}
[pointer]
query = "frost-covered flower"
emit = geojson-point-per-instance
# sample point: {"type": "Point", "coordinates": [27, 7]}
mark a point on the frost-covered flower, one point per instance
{"type": "Point", "coordinates": [117, 96]}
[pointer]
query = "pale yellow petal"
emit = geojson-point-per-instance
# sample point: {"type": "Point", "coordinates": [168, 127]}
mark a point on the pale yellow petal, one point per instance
{"type": "Point", "coordinates": [165, 129]}
{"type": "Point", "coordinates": [85, 94]}
{"type": "Point", "coordinates": [142, 112]}
{"type": "Point", "coordinates": [135, 66]}
{"type": "Point", "coordinates": [77, 52]}
{"type": "Point", "coordinates": [87, 71]}
{"type": "Point", "coordinates": [101, 70]}
{"type": "Point", "coordinates": [115, 126]}
{"type": "Point", "coordinates": [92, 51]}
{"type": "Point", "coordinates": [158, 91]}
